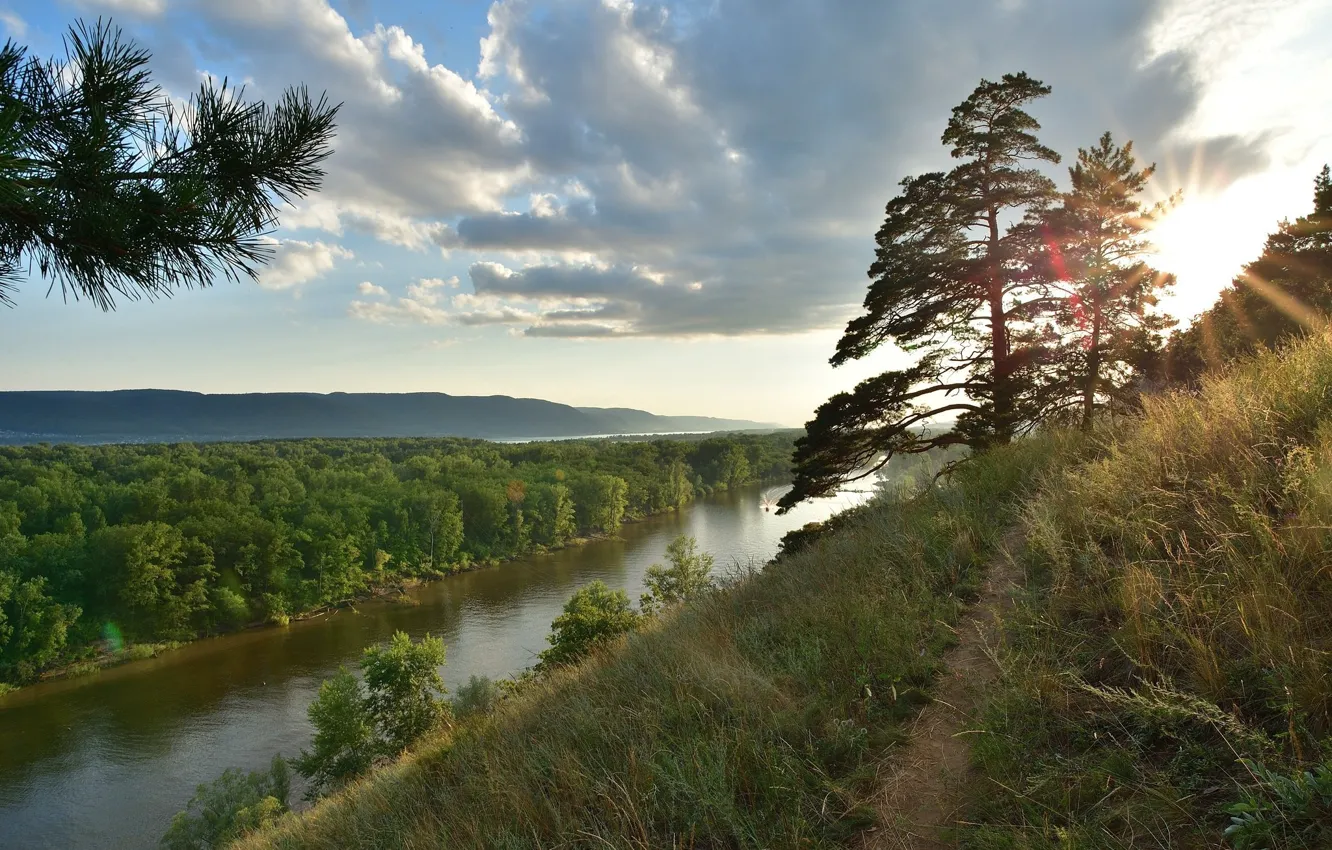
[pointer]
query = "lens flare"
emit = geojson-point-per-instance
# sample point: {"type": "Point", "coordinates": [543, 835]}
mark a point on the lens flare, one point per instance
{"type": "Point", "coordinates": [114, 640]}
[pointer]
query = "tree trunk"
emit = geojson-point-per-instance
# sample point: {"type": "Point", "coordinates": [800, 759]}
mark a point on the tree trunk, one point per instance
{"type": "Point", "coordinates": [1003, 389]}
{"type": "Point", "coordinates": [1093, 377]}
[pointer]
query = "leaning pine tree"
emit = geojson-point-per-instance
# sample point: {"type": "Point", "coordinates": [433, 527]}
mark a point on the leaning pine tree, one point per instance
{"type": "Point", "coordinates": [1091, 252]}
{"type": "Point", "coordinates": [946, 287]}
{"type": "Point", "coordinates": [110, 190]}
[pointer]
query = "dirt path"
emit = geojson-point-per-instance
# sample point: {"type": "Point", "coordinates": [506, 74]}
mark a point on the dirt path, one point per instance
{"type": "Point", "coordinates": [922, 789]}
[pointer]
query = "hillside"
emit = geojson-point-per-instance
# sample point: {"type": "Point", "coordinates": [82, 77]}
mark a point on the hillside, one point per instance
{"type": "Point", "coordinates": [134, 416]}
{"type": "Point", "coordinates": [1161, 681]}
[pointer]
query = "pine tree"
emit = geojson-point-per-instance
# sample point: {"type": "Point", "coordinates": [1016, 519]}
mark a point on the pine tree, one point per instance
{"type": "Point", "coordinates": [111, 190]}
{"type": "Point", "coordinates": [946, 287]}
{"type": "Point", "coordinates": [1090, 252]}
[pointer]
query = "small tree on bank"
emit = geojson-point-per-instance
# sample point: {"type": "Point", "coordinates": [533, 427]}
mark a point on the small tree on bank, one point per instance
{"type": "Point", "coordinates": [400, 701]}
{"type": "Point", "coordinates": [688, 575]}
{"type": "Point", "coordinates": [946, 286]}
{"type": "Point", "coordinates": [592, 616]}
{"type": "Point", "coordinates": [403, 688]}
{"type": "Point", "coordinates": [344, 740]}
{"type": "Point", "coordinates": [111, 190]}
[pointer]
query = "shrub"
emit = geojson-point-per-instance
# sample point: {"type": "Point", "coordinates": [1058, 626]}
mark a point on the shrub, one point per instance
{"type": "Point", "coordinates": [403, 687]}
{"type": "Point", "coordinates": [592, 616]}
{"type": "Point", "coordinates": [1283, 811]}
{"type": "Point", "coordinates": [687, 576]}
{"type": "Point", "coordinates": [477, 696]}
{"type": "Point", "coordinates": [229, 807]}
{"type": "Point", "coordinates": [344, 742]}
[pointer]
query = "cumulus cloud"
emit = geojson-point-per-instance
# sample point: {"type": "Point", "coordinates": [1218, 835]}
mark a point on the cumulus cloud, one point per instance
{"type": "Point", "coordinates": [365, 287]}
{"type": "Point", "coordinates": [618, 168]}
{"type": "Point", "coordinates": [295, 262]}
{"type": "Point", "coordinates": [401, 311]}
{"type": "Point", "coordinates": [428, 290]}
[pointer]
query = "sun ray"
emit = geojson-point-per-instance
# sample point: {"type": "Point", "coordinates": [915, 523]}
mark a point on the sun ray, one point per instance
{"type": "Point", "coordinates": [1283, 301]}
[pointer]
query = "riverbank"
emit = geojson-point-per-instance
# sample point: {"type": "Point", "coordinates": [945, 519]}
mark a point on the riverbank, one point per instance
{"type": "Point", "coordinates": [395, 591]}
{"type": "Point", "coordinates": [101, 546]}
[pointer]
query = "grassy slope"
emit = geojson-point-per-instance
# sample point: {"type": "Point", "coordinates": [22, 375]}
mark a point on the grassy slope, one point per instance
{"type": "Point", "coordinates": [1171, 647]}
{"type": "Point", "coordinates": [1175, 639]}
{"type": "Point", "coordinates": [753, 718]}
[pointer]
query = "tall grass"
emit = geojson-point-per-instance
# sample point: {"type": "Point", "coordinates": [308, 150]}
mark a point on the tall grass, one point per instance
{"type": "Point", "coordinates": [1169, 670]}
{"type": "Point", "coordinates": [752, 718]}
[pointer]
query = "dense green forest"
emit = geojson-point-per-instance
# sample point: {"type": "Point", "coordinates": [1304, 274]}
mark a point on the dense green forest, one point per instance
{"type": "Point", "coordinates": [102, 545]}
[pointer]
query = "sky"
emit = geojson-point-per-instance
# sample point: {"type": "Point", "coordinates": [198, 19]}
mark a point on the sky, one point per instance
{"type": "Point", "coordinates": [663, 205]}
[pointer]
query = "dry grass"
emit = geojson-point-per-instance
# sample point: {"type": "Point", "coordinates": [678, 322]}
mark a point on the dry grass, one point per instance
{"type": "Point", "coordinates": [1177, 633]}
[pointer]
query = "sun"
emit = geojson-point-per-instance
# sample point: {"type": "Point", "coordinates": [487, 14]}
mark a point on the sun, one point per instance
{"type": "Point", "coordinates": [1190, 245]}
{"type": "Point", "coordinates": [1207, 239]}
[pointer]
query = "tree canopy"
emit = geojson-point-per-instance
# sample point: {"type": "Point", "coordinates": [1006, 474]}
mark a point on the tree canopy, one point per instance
{"type": "Point", "coordinates": [1017, 304]}
{"type": "Point", "coordinates": [114, 191]}
{"type": "Point", "coordinates": [1090, 256]}
{"type": "Point", "coordinates": [945, 287]}
{"type": "Point", "coordinates": [166, 542]}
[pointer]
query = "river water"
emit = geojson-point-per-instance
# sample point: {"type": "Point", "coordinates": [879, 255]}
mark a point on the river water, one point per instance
{"type": "Point", "coordinates": [105, 761]}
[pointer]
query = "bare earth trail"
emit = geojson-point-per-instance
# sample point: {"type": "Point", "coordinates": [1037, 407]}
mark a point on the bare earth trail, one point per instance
{"type": "Point", "coordinates": [921, 794]}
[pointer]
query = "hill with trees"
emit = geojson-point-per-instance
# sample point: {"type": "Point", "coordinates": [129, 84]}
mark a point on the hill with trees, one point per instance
{"type": "Point", "coordinates": [156, 416]}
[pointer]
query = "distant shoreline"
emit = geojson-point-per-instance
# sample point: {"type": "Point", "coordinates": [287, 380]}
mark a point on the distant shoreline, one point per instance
{"type": "Point", "coordinates": [11, 438]}
{"type": "Point", "coordinates": [174, 416]}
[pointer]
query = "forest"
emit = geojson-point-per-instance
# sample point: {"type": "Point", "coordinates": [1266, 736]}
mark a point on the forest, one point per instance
{"type": "Point", "coordinates": [106, 546]}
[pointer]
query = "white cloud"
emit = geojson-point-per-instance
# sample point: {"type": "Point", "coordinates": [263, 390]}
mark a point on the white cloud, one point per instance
{"type": "Point", "coordinates": [402, 311]}
{"type": "Point", "coordinates": [427, 289]}
{"type": "Point", "coordinates": [14, 25]}
{"type": "Point", "coordinates": [365, 287]}
{"type": "Point", "coordinates": [721, 169]}
{"type": "Point", "coordinates": [296, 262]}
{"type": "Point", "coordinates": [133, 7]}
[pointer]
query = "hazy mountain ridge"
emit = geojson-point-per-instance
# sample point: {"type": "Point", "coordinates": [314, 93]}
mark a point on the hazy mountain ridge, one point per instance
{"type": "Point", "coordinates": [175, 415]}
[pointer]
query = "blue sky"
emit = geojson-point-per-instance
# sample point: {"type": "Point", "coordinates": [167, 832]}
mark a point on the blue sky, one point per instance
{"type": "Point", "coordinates": [660, 205]}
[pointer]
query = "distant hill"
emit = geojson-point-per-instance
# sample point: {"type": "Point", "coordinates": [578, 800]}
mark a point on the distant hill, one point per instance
{"type": "Point", "coordinates": [141, 416]}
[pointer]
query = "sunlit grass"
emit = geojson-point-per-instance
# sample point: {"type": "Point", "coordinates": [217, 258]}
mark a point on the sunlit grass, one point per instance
{"type": "Point", "coordinates": [1176, 639]}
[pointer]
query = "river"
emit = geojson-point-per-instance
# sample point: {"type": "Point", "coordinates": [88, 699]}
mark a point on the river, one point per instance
{"type": "Point", "coordinates": [104, 761]}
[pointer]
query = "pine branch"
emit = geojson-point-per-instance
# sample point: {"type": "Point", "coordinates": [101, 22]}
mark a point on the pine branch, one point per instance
{"type": "Point", "coordinates": [112, 192]}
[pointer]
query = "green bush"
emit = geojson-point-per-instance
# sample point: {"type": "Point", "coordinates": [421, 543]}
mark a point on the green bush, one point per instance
{"type": "Point", "coordinates": [403, 688]}
{"type": "Point", "coordinates": [344, 741]}
{"type": "Point", "coordinates": [478, 695]}
{"type": "Point", "coordinates": [688, 575]}
{"type": "Point", "coordinates": [229, 807]}
{"type": "Point", "coordinates": [398, 703]}
{"type": "Point", "coordinates": [592, 616]}
{"type": "Point", "coordinates": [1283, 811]}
